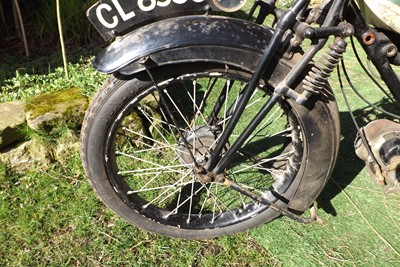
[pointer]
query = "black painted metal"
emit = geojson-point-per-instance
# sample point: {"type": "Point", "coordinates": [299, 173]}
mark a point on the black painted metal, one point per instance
{"type": "Point", "coordinates": [375, 51]}
{"type": "Point", "coordinates": [172, 38]}
{"type": "Point", "coordinates": [318, 43]}
{"type": "Point", "coordinates": [284, 23]}
{"type": "Point", "coordinates": [266, 7]}
{"type": "Point", "coordinates": [246, 133]}
{"type": "Point", "coordinates": [200, 31]}
{"type": "Point", "coordinates": [341, 29]}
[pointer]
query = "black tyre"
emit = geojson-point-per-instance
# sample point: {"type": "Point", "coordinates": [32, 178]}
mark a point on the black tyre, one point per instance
{"type": "Point", "coordinates": [139, 147]}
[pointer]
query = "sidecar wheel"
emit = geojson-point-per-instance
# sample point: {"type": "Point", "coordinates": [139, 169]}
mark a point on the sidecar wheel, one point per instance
{"type": "Point", "coordinates": [140, 148]}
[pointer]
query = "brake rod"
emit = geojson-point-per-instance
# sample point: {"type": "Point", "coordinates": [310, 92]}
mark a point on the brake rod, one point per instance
{"type": "Point", "coordinates": [240, 189]}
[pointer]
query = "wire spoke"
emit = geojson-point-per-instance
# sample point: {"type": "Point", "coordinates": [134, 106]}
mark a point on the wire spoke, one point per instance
{"type": "Point", "coordinates": [225, 119]}
{"type": "Point", "coordinates": [265, 124]}
{"type": "Point", "coordinates": [186, 200]}
{"type": "Point", "coordinates": [196, 109]}
{"type": "Point", "coordinates": [177, 108]}
{"type": "Point", "coordinates": [165, 122]}
{"type": "Point", "coordinates": [216, 198]}
{"type": "Point", "coordinates": [147, 161]}
{"type": "Point", "coordinates": [280, 157]}
{"type": "Point", "coordinates": [174, 125]}
{"type": "Point", "coordinates": [155, 127]}
{"type": "Point", "coordinates": [151, 149]}
{"type": "Point", "coordinates": [152, 140]}
{"type": "Point", "coordinates": [174, 185]}
{"type": "Point", "coordinates": [155, 188]}
{"type": "Point", "coordinates": [160, 170]}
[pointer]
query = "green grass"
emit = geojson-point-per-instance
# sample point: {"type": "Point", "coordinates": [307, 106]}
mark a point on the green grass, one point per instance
{"type": "Point", "coordinates": [50, 216]}
{"type": "Point", "coordinates": [53, 218]}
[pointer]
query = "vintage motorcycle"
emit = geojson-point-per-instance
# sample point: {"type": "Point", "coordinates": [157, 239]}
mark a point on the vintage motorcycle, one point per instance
{"type": "Point", "coordinates": [210, 125]}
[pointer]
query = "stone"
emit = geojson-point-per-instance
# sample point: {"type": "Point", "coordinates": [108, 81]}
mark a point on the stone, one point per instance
{"type": "Point", "coordinates": [28, 154]}
{"type": "Point", "coordinates": [67, 148]}
{"type": "Point", "coordinates": [48, 111]}
{"type": "Point", "coordinates": [12, 119]}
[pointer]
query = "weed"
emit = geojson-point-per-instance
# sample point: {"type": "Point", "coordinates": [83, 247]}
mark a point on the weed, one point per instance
{"type": "Point", "coordinates": [24, 86]}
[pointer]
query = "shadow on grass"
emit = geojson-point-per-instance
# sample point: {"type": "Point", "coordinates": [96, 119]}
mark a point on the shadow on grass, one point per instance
{"type": "Point", "coordinates": [348, 165]}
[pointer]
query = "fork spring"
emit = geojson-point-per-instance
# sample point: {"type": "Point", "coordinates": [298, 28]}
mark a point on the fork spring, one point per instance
{"type": "Point", "coordinates": [318, 76]}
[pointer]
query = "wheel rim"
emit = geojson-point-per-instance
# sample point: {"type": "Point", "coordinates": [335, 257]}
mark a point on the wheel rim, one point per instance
{"type": "Point", "coordinates": [150, 163]}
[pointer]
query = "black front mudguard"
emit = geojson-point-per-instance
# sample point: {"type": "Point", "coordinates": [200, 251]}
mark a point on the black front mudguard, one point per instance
{"type": "Point", "coordinates": [186, 39]}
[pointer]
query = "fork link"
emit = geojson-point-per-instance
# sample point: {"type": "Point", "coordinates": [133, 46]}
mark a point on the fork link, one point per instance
{"type": "Point", "coordinates": [208, 177]}
{"type": "Point", "coordinates": [318, 76]}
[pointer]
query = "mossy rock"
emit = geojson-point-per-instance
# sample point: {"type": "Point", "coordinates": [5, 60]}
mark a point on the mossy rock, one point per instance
{"type": "Point", "coordinates": [12, 119]}
{"type": "Point", "coordinates": [48, 111]}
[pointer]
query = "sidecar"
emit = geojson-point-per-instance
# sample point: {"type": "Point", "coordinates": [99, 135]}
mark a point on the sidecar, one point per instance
{"type": "Point", "coordinates": [383, 14]}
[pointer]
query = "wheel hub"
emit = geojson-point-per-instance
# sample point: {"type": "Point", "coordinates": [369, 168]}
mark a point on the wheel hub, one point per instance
{"type": "Point", "coordinates": [200, 144]}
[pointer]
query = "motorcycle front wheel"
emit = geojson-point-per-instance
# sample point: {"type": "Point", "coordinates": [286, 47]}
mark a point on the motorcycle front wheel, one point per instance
{"type": "Point", "coordinates": [141, 143]}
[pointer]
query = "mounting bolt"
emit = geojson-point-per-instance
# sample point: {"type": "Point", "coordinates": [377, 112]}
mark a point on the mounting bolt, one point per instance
{"type": "Point", "coordinates": [309, 32]}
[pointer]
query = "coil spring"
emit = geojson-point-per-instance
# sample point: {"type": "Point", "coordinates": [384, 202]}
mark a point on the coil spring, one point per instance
{"type": "Point", "coordinates": [318, 76]}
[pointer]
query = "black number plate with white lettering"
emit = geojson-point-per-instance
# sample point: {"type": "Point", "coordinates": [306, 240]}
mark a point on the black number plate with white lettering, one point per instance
{"type": "Point", "coordinates": [113, 17]}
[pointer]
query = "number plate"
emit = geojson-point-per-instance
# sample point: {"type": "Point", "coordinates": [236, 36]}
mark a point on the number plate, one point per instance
{"type": "Point", "coordinates": [113, 17]}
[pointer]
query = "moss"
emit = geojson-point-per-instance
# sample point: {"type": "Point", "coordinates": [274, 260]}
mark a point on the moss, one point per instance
{"type": "Point", "coordinates": [74, 114]}
{"type": "Point", "coordinates": [48, 112]}
{"type": "Point", "coordinates": [45, 103]}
